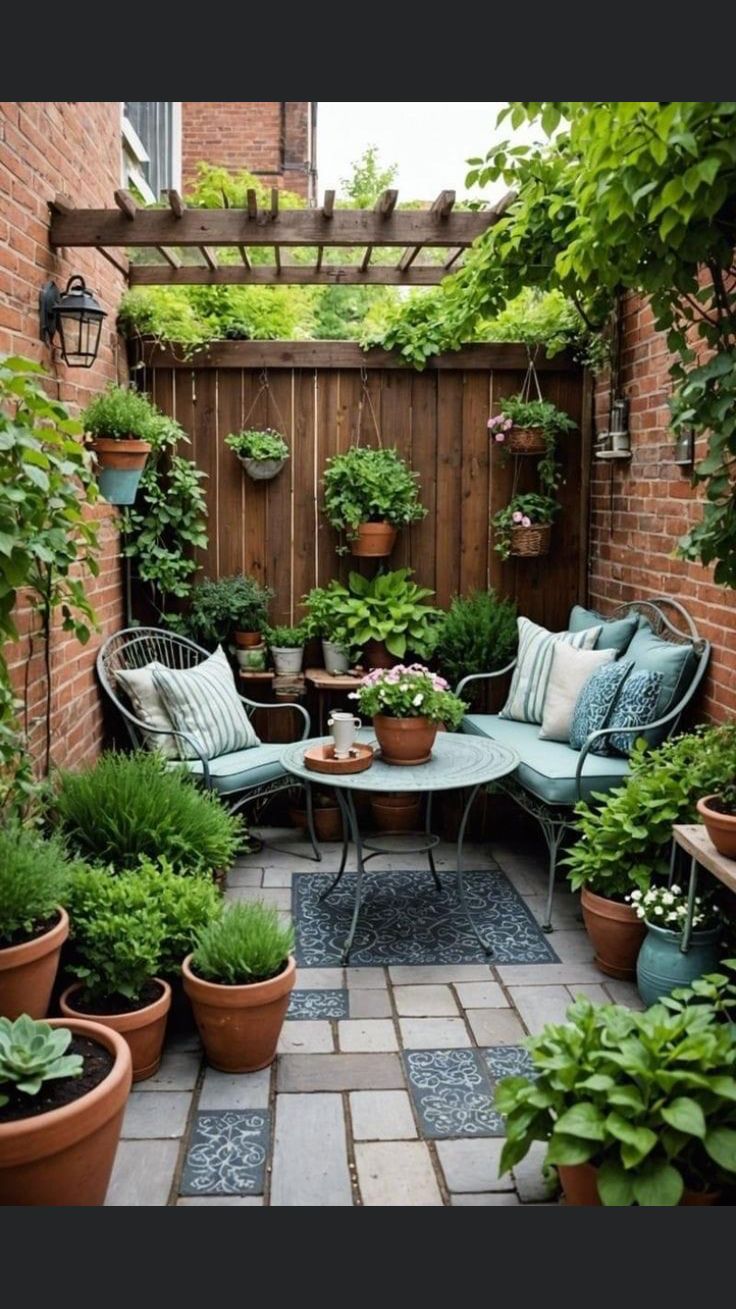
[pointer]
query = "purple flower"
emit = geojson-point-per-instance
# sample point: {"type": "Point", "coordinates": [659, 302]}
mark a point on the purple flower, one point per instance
{"type": "Point", "coordinates": [500, 436]}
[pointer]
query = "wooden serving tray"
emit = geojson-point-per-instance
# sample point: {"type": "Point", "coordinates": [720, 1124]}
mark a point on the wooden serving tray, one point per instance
{"type": "Point", "coordinates": [321, 759]}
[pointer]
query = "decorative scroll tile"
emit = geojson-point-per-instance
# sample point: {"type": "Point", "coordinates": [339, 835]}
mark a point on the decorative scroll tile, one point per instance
{"type": "Point", "coordinates": [451, 1094]}
{"type": "Point", "coordinates": [227, 1153]}
{"type": "Point", "coordinates": [507, 1061]}
{"type": "Point", "coordinates": [318, 1004]}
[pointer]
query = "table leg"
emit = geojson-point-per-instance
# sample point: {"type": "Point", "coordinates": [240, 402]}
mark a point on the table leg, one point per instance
{"type": "Point", "coordinates": [345, 843]}
{"type": "Point", "coordinates": [347, 801]}
{"type": "Point", "coordinates": [460, 879]}
{"type": "Point", "coordinates": [428, 830]}
{"type": "Point", "coordinates": [673, 860]}
{"type": "Point", "coordinates": [692, 888]}
{"type": "Point", "coordinates": [310, 822]}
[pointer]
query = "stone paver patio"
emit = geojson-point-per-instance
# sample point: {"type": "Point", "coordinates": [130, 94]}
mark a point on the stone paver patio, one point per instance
{"type": "Point", "coordinates": [382, 1090]}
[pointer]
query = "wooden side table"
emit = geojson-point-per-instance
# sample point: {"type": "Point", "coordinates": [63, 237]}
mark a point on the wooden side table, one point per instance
{"type": "Point", "coordinates": [693, 838]}
{"type": "Point", "coordinates": [327, 684]}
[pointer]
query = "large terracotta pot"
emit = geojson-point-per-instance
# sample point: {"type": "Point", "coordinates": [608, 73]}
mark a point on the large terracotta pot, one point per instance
{"type": "Point", "coordinates": [376, 655]}
{"type": "Point", "coordinates": [579, 1185]}
{"type": "Point", "coordinates": [401, 812]}
{"type": "Point", "coordinates": [27, 972]}
{"type": "Point", "coordinates": [721, 828]}
{"type": "Point", "coordinates": [143, 1029]}
{"type": "Point", "coordinates": [65, 1157]}
{"type": "Point", "coordinates": [239, 1025]}
{"type": "Point", "coordinates": [121, 463]}
{"type": "Point", "coordinates": [615, 933]}
{"type": "Point", "coordinates": [404, 741]}
{"type": "Point", "coordinates": [373, 540]}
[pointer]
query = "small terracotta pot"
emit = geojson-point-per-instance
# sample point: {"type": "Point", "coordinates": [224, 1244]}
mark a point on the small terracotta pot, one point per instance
{"type": "Point", "coordinates": [327, 821]}
{"type": "Point", "coordinates": [376, 655]}
{"type": "Point", "coordinates": [126, 454]}
{"type": "Point", "coordinates": [239, 1025]}
{"type": "Point", "coordinates": [404, 741]}
{"type": "Point", "coordinates": [615, 933]}
{"type": "Point", "coordinates": [397, 813]}
{"type": "Point", "coordinates": [721, 828]}
{"type": "Point", "coordinates": [580, 1187]}
{"type": "Point", "coordinates": [27, 972]}
{"type": "Point", "coordinates": [65, 1157]}
{"type": "Point", "coordinates": [247, 639]}
{"type": "Point", "coordinates": [143, 1029]}
{"type": "Point", "coordinates": [374, 540]}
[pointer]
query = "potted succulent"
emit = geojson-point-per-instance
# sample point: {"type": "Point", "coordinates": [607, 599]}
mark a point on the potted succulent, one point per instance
{"type": "Point", "coordinates": [234, 606]}
{"type": "Point", "coordinates": [531, 427]}
{"type": "Point", "coordinates": [287, 649]}
{"type": "Point", "coordinates": [121, 422]}
{"type": "Point", "coordinates": [523, 528]}
{"type": "Point", "coordinates": [63, 1088]}
{"type": "Point", "coordinates": [662, 965]}
{"type": "Point", "coordinates": [386, 616]}
{"type": "Point", "coordinates": [239, 979]}
{"type": "Point", "coordinates": [718, 813]}
{"type": "Point", "coordinates": [369, 495]}
{"type": "Point", "coordinates": [635, 1108]}
{"type": "Point", "coordinates": [324, 620]}
{"type": "Point", "coordinates": [407, 705]}
{"type": "Point", "coordinates": [262, 451]}
{"type": "Point", "coordinates": [34, 875]}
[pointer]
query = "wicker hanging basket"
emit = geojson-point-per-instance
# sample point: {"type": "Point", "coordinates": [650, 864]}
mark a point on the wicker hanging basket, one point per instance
{"type": "Point", "coordinates": [526, 441]}
{"type": "Point", "coordinates": [528, 542]}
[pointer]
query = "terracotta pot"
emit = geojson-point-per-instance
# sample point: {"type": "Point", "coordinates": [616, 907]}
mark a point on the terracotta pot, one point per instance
{"type": "Point", "coordinates": [404, 741]}
{"type": "Point", "coordinates": [721, 828]}
{"type": "Point", "coordinates": [27, 972]}
{"type": "Point", "coordinates": [579, 1185]}
{"type": "Point", "coordinates": [65, 1157]}
{"type": "Point", "coordinates": [374, 540]}
{"type": "Point", "coordinates": [397, 813]}
{"type": "Point", "coordinates": [376, 655]}
{"type": "Point", "coordinates": [239, 1025]}
{"type": "Point", "coordinates": [615, 933]}
{"type": "Point", "coordinates": [247, 639]}
{"type": "Point", "coordinates": [143, 1029]}
{"type": "Point", "coordinates": [327, 821]}
{"type": "Point", "coordinates": [126, 454]}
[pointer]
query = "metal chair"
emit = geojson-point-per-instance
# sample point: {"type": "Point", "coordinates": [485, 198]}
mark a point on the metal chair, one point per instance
{"type": "Point", "coordinates": [245, 777]}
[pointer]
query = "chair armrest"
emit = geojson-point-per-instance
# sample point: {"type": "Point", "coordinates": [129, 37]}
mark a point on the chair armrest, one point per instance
{"type": "Point", "coordinates": [259, 704]}
{"type": "Point", "coordinates": [172, 731]}
{"type": "Point", "coordinates": [479, 677]}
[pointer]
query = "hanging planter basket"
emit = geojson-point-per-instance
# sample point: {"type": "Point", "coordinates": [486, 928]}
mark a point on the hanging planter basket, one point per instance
{"type": "Point", "coordinates": [526, 441]}
{"type": "Point", "coordinates": [373, 541]}
{"type": "Point", "coordinates": [261, 470]}
{"type": "Point", "coordinates": [120, 464]}
{"type": "Point", "coordinates": [530, 542]}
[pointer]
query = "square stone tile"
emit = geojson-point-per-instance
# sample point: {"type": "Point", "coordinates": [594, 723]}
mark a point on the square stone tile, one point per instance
{"type": "Point", "coordinates": [624, 993]}
{"type": "Point", "coordinates": [143, 1173]}
{"type": "Point", "coordinates": [572, 946]}
{"type": "Point", "coordinates": [227, 1153]}
{"type": "Point", "coordinates": [597, 994]}
{"type": "Point", "coordinates": [381, 1116]}
{"type": "Point", "coordinates": [339, 1072]}
{"type": "Point", "coordinates": [530, 1183]}
{"type": "Point", "coordinates": [306, 1036]}
{"type": "Point", "coordinates": [473, 1165]}
{"type": "Point", "coordinates": [545, 974]}
{"type": "Point", "coordinates": [319, 1003]}
{"type": "Point", "coordinates": [369, 1004]}
{"type": "Point", "coordinates": [277, 897]}
{"type": "Point", "coordinates": [365, 979]}
{"type": "Point", "coordinates": [178, 1072]}
{"type": "Point", "coordinates": [235, 1090]}
{"type": "Point", "coordinates": [481, 995]}
{"type": "Point", "coordinates": [433, 1033]}
{"type": "Point", "coordinates": [495, 1026]}
{"type": "Point", "coordinates": [277, 877]}
{"type": "Point", "coordinates": [427, 974]}
{"type": "Point", "coordinates": [156, 1114]}
{"type": "Point", "coordinates": [367, 1034]}
{"type": "Point", "coordinates": [539, 1005]}
{"type": "Point", "coordinates": [396, 1173]}
{"type": "Point", "coordinates": [328, 979]}
{"type": "Point", "coordinates": [239, 876]}
{"type": "Point", "coordinates": [219, 1201]}
{"type": "Point", "coordinates": [452, 1093]}
{"type": "Point", "coordinates": [507, 1061]}
{"type": "Point", "coordinates": [425, 1001]}
{"type": "Point", "coordinates": [310, 1161]}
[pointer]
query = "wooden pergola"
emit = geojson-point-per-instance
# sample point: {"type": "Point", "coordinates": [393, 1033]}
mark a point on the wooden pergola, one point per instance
{"type": "Point", "coordinates": [176, 228]}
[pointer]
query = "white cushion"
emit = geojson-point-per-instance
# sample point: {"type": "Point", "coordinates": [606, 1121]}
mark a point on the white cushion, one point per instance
{"type": "Point", "coordinates": [147, 705]}
{"type": "Point", "coordinates": [570, 671]}
{"type": "Point", "coordinates": [528, 687]}
{"type": "Point", "coordinates": [203, 702]}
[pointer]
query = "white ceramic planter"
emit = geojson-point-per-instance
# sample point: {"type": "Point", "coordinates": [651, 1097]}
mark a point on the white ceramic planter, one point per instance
{"type": "Point", "coordinates": [336, 660]}
{"type": "Point", "coordinates": [251, 658]}
{"type": "Point", "coordinates": [287, 660]}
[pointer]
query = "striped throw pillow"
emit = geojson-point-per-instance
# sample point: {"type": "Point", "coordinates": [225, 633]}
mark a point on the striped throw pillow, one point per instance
{"type": "Point", "coordinates": [203, 702]}
{"type": "Point", "coordinates": [528, 688]}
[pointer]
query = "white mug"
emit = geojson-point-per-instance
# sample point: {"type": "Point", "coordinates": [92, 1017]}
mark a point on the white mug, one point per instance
{"type": "Point", "coordinates": [343, 727]}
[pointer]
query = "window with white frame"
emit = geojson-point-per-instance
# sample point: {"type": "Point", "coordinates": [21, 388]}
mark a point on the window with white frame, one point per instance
{"type": "Point", "coordinates": [151, 147]}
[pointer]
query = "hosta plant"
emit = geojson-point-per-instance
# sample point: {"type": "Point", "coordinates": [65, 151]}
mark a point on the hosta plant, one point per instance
{"type": "Point", "coordinates": [649, 1099]}
{"type": "Point", "coordinates": [388, 607]}
{"type": "Point", "coordinates": [412, 692]}
{"type": "Point", "coordinates": [32, 1053]}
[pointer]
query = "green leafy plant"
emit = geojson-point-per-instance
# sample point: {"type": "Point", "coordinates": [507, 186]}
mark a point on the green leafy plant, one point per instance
{"type": "Point", "coordinates": [411, 692]}
{"type": "Point", "coordinates": [117, 931]}
{"type": "Point", "coordinates": [527, 510]}
{"type": "Point", "coordinates": [365, 485]}
{"type": "Point", "coordinates": [34, 874]}
{"type": "Point", "coordinates": [322, 617]}
{"type": "Point", "coordinates": [516, 411]}
{"type": "Point", "coordinates": [624, 841]}
{"type": "Point", "coordinates": [285, 638]}
{"type": "Point", "coordinates": [120, 413]}
{"type": "Point", "coordinates": [129, 806]}
{"type": "Point", "coordinates": [478, 634]}
{"type": "Point", "coordinates": [226, 604]}
{"type": "Point", "coordinates": [258, 443]}
{"type": "Point", "coordinates": [32, 1053]}
{"type": "Point", "coordinates": [648, 1099]}
{"type": "Point", "coordinates": [388, 607]}
{"type": "Point", "coordinates": [249, 943]}
{"type": "Point", "coordinates": [718, 990]}
{"type": "Point", "coordinates": [187, 905]}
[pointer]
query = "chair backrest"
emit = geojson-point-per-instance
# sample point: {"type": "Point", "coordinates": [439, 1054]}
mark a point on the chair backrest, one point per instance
{"type": "Point", "coordinates": [135, 647]}
{"type": "Point", "coordinates": [670, 620]}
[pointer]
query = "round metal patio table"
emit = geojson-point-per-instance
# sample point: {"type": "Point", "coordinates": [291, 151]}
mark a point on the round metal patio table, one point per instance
{"type": "Point", "coordinates": [458, 763]}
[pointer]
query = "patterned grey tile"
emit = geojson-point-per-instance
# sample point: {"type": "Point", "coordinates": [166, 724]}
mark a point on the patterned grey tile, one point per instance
{"type": "Point", "coordinates": [451, 1093]}
{"type": "Point", "coordinates": [227, 1153]}
{"type": "Point", "coordinates": [318, 1004]}
{"type": "Point", "coordinates": [507, 1061]}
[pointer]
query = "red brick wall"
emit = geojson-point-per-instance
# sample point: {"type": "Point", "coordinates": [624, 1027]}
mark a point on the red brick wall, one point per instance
{"type": "Point", "coordinates": [268, 137]}
{"type": "Point", "coordinates": [74, 148]}
{"type": "Point", "coordinates": [641, 508]}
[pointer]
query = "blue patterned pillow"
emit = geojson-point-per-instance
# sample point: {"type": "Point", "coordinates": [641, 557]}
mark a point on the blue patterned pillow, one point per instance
{"type": "Point", "coordinates": [637, 703]}
{"type": "Point", "coordinates": [596, 701]}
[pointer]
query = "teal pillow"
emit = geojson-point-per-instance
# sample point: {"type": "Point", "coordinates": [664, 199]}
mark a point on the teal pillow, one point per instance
{"type": "Point", "coordinates": [595, 703]}
{"type": "Point", "coordinates": [636, 704]}
{"type": "Point", "coordinates": [616, 633]}
{"type": "Point", "coordinates": [676, 663]}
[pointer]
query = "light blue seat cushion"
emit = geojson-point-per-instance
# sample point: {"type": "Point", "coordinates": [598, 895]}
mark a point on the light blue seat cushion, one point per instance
{"type": "Point", "coordinates": [677, 664]}
{"type": "Point", "coordinates": [547, 768]}
{"type": "Point", "coordinates": [242, 769]}
{"type": "Point", "coordinates": [616, 633]}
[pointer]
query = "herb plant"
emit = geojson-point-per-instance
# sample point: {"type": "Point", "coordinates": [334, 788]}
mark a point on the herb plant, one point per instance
{"type": "Point", "coordinates": [258, 443]}
{"type": "Point", "coordinates": [323, 618]}
{"type": "Point", "coordinates": [220, 606]}
{"type": "Point", "coordinates": [478, 634]}
{"type": "Point", "coordinates": [32, 1053]}
{"type": "Point", "coordinates": [186, 904]}
{"type": "Point", "coordinates": [120, 412]}
{"type": "Point", "coordinates": [117, 930]}
{"type": "Point", "coordinates": [409, 692]}
{"type": "Point", "coordinates": [285, 638]}
{"type": "Point", "coordinates": [527, 510]}
{"type": "Point", "coordinates": [388, 607]}
{"type": "Point", "coordinates": [248, 943]}
{"type": "Point", "coordinates": [649, 1099]}
{"type": "Point", "coordinates": [34, 874]}
{"type": "Point", "coordinates": [365, 485]}
{"type": "Point", "coordinates": [129, 806]}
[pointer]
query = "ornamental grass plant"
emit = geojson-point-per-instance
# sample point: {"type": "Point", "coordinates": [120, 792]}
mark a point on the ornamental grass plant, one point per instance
{"type": "Point", "coordinates": [34, 877]}
{"type": "Point", "coordinates": [248, 943]}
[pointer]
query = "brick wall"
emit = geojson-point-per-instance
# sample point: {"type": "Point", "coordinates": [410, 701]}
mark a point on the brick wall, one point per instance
{"type": "Point", "coordinates": [74, 148]}
{"type": "Point", "coordinates": [268, 137]}
{"type": "Point", "coordinates": [641, 508]}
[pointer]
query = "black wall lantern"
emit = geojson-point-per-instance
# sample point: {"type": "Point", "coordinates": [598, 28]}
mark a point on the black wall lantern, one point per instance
{"type": "Point", "coordinates": [77, 318]}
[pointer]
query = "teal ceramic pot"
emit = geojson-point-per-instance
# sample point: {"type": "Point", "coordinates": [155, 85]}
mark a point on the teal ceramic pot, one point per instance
{"type": "Point", "coordinates": [662, 966]}
{"type": "Point", "coordinates": [119, 485]}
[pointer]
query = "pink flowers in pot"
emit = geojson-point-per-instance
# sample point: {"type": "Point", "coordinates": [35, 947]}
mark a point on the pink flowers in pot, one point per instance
{"type": "Point", "coordinates": [499, 426]}
{"type": "Point", "coordinates": [409, 691]}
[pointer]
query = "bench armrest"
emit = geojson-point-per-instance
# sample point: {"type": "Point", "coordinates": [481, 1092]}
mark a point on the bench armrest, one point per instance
{"type": "Point", "coordinates": [480, 677]}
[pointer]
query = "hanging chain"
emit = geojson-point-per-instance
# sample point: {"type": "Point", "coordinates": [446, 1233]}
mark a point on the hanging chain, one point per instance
{"type": "Point", "coordinates": [531, 376]}
{"type": "Point", "coordinates": [365, 398]}
{"type": "Point", "coordinates": [265, 389]}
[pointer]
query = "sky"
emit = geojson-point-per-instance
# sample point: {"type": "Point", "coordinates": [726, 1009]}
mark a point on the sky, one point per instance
{"type": "Point", "coordinates": [429, 141]}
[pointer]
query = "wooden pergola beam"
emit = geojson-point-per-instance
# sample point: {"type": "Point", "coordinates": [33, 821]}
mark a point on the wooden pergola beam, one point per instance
{"type": "Point", "coordinates": [61, 204]}
{"type": "Point", "coordinates": [320, 274]}
{"type": "Point", "coordinates": [385, 205]}
{"type": "Point", "coordinates": [118, 261]}
{"type": "Point", "coordinates": [274, 203]}
{"type": "Point", "coordinates": [209, 258]}
{"type": "Point", "coordinates": [442, 207]}
{"type": "Point", "coordinates": [277, 258]}
{"type": "Point", "coordinates": [244, 256]}
{"type": "Point", "coordinates": [170, 256]}
{"type": "Point", "coordinates": [328, 204]}
{"type": "Point", "coordinates": [176, 204]}
{"type": "Point", "coordinates": [126, 204]}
